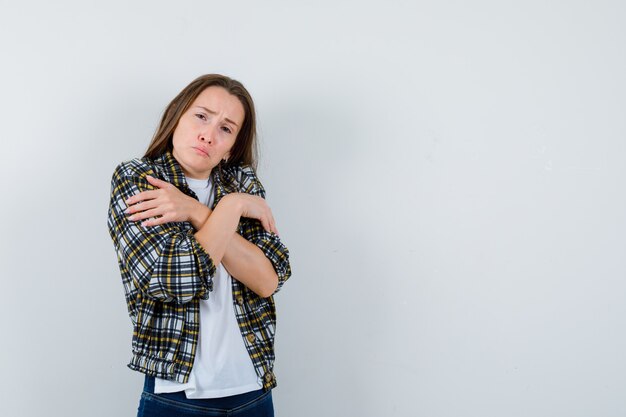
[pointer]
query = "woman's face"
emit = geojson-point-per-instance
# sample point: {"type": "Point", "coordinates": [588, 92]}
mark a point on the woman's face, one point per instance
{"type": "Point", "coordinates": [207, 131]}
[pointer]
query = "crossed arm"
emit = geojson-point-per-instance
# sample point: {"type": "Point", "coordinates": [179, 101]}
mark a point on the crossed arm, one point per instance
{"type": "Point", "coordinates": [216, 230]}
{"type": "Point", "coordinates": [217, 233]}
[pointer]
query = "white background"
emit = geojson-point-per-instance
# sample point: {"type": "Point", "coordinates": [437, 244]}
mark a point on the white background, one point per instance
{"type": "Point", "coordinates": [448, 176]}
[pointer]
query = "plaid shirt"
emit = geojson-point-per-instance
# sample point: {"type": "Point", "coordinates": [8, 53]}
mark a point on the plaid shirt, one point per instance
{"type": "Point", "coordinates": [165, 272]}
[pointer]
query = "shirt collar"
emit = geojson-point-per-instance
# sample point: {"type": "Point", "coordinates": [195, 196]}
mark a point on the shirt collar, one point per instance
{"type": "Point", "coordinates": [172, 170]}
{"type": "Point", "coordinates": [223, 179]}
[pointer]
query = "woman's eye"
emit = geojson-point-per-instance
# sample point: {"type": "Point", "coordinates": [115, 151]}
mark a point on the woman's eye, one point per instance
{"type": "Point", "coordinates": [201, 116]}
{"type": "Point", "coordinates": [227, 129]}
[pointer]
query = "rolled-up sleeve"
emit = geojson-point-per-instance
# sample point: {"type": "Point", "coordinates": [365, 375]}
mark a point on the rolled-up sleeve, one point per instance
{"type": "Point", "coordinates": [253, 231]}
{"type": "Point", "coordinates": [165, 262]}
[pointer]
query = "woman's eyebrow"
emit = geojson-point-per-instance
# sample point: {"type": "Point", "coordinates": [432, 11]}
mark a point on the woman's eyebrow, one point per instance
{"type": "Point", "coordinates": [213, 112]}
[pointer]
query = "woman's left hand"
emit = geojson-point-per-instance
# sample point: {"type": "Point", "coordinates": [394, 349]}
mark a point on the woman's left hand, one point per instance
{"type": "Point", "coordinates": [167, 203]}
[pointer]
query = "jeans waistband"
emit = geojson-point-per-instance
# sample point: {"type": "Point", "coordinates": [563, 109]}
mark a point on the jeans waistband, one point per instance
{"type": "Point", "coordinates": [232, 401]}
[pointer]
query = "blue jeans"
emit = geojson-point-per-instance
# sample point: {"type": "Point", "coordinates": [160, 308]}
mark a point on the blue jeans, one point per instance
{"type": "Point", "coordinates": [176, 404]}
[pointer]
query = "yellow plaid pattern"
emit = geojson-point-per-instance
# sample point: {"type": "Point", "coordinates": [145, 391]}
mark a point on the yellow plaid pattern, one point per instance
{"type": "Point", "coordinates": [165, 272]}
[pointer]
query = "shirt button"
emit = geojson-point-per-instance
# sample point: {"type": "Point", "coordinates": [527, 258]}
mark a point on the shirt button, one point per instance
{"type": "Point", "coordinates": [268, 376]}
{"type": "Point", "coordinates": [251, 337]}
{"type": "Point", "coordinates": [240, 301]}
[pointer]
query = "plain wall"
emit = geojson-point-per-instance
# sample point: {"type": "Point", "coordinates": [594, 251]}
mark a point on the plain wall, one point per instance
{"type": "Point", "coordinates": [448, 176]}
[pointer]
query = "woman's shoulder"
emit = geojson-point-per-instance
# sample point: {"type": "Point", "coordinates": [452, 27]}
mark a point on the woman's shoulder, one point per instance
{"type": "Point", "coordinates": [135, 167]}
{"type": "Point", "coordinates": [246, 178]}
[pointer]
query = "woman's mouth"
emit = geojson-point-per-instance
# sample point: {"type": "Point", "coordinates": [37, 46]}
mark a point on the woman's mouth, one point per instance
{"type": "Point", "coordinates": [201, 152]}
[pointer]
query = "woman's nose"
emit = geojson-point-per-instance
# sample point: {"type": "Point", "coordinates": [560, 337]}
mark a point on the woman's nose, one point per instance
{"type": "Point", "coordinates": [208, 134]}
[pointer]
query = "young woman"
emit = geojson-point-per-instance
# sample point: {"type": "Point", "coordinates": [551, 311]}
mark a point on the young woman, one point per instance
{"type": "Point", "coordinates": [200, 258]}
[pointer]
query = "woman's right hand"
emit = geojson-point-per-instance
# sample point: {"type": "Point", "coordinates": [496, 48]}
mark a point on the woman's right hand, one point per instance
{"type": "Point", "coordinates": [255, 207]}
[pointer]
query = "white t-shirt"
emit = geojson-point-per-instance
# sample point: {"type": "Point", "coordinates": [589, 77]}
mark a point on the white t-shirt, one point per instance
{"type": "Point", "coordinates": [222, 365]}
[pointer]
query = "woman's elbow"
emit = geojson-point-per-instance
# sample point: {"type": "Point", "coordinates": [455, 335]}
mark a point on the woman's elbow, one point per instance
{"type": "Point", "coordinates": [269, 287]}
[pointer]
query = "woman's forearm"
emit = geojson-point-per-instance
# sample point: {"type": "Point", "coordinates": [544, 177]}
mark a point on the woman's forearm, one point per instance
{"type": "Point", "coordinates": [220, 227]}
{"type": "Point", "coordinates": [247, 263]}
{"type": "Point", "coordinates": [242, 259]}
{"type": "Point", "coordinates": [199, 215]}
